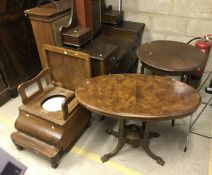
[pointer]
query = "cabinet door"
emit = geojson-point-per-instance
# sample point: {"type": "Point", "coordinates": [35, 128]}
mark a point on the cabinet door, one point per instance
{"type": "Point", "coordinates": [4, 91]}
{"type": "Point", "coordinates": [19, 58]}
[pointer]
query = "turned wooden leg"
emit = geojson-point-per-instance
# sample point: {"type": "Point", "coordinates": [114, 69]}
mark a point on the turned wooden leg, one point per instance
{"type": "Point", "coordinates": [121, 142]}
{"type": "Point", "coordinates": [142, 69]}
{"type": "Point", "coordinates": [187, 135]}
{"type": "Point", "coordinates": [54, 164]}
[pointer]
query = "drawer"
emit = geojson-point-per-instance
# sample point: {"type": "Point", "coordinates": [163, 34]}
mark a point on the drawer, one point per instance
{"type": "Point", "coordinates": [111, 64]}
{"type": "Point", "coordinates": [129, 59]}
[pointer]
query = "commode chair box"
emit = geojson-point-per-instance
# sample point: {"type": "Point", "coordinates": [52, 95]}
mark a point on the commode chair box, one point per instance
{"type": "Point", "coordinates": [51, 132]}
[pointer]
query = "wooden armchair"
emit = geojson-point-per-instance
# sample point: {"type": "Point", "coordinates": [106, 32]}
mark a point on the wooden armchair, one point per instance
{"type": "Point", "coordinates": [51, 133]}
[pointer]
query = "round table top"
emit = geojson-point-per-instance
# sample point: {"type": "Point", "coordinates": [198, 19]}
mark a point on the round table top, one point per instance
{"type": "Point", "coordinates": [138, 96]}
{"type": "Point", "coordinates": [171, 56]}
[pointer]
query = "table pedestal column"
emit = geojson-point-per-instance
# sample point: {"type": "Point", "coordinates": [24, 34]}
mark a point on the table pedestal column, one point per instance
{"type": "Point", "coordinates": [135, 136]}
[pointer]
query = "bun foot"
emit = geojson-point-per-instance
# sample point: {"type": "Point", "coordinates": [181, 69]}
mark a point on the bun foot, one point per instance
{"type": "Point", "coordinates": [185, 149]}
{"type": "Point", "coordinates": [54, 164]}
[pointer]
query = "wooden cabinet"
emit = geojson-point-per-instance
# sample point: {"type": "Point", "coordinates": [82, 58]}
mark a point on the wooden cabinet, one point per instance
{"type": "Point", "coordinates": [112, 51]}
{"type": "Point", "coordinates": [46, 21]}
{"type": "Point", "coordinates": [19, 58]}
{"type": "Point", "coordinates": [4, 91]}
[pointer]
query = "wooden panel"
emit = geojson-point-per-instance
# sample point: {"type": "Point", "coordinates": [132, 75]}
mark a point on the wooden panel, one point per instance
{"type": "Point", "coordinates": [2, 84]}
{"type": "Point", "coordinates": [96, 7]}
{"type": "Point", "coordinates": [67, 67]}
{"type": "Point", "coordinates": [43, 35]}
{"type": "Point", "coordinates": [56, 26]}
{"type": "Point", "coordinates": [46, 21]}
{"type": "Point", "coordinates": [4, 91]}
{"type": "Point", "coordinates": [19, 57]}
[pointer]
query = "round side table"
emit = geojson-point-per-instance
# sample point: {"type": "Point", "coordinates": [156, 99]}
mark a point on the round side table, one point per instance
{"type": "Point", "coordinates": [170, 58]}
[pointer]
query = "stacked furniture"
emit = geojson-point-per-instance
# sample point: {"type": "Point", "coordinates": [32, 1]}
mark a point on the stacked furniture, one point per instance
{"type": "Point", "coordinates": [83, 47]}
{"type": "Point", "coordinates": [112, 48]}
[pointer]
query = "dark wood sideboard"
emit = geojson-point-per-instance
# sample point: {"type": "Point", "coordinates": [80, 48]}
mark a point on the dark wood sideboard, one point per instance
{"type": "Point", "coordinates": [19, 59]}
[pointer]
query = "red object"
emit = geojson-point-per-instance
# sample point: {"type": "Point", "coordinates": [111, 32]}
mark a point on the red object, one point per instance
{"type": "Point", "coordinates": [84, 13]}
{"type": "Point", "coordinates": [204, 45]}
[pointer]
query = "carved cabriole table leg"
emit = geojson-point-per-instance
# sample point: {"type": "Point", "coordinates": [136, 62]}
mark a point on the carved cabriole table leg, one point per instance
{"type": "Point", "coordinates": [145, 144]}
{"type": "Point", "coordinates": [134, 135]}
{"type": "Point", "coordinates": [121, 141]}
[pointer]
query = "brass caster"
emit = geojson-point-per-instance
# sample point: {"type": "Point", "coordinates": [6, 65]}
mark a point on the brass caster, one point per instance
{"type": "Point", "coordinates": [54, 164]}
{"type": "Point", "coordinates": [160, 161]}
{"type": "Point", "coordinates": [105, 158]}
{"type": "Point", "coordinates": [19, 147]}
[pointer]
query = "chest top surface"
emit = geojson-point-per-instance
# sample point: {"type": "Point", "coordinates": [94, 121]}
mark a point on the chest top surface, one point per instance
{"type": "Point", "coordinates": [171, 56]}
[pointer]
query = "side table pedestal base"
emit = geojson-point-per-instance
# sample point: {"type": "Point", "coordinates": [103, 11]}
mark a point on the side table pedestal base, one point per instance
{"type": "Point", "coordinates": [134, 135]}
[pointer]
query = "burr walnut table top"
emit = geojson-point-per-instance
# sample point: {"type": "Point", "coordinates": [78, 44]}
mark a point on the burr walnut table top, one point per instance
{"type": "Point", "coordinates": [138, 96]}
{"type": "Point", "coordinates": [171, 56]}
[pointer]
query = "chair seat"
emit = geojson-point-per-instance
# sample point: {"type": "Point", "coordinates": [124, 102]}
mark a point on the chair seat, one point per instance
{"type": "Point", "coordinates": [34, 104]}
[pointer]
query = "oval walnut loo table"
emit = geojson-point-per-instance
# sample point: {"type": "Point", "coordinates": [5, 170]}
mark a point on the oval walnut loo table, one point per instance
{"type": "Point", "coordinates": [137, 96]}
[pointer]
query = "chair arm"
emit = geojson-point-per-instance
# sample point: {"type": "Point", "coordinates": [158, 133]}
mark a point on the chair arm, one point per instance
{"type": "Point", "coordinates": [37, 79]}
{"type": "Point", "coordinates": [66, 112]}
